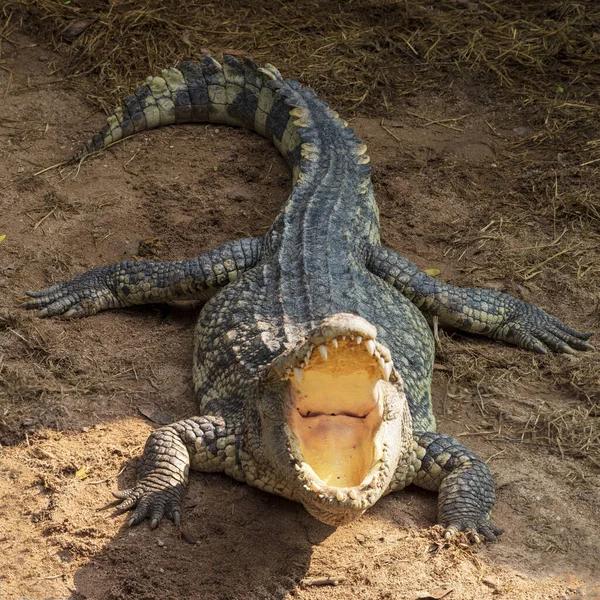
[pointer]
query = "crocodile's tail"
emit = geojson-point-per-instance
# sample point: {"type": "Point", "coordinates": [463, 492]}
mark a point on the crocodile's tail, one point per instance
{"type": "Point", "coordinates": [238, 93]}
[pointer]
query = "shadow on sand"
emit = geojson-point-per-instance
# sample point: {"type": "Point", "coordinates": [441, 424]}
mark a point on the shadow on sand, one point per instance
{"type": "Point", "coordinates": [235, 542]}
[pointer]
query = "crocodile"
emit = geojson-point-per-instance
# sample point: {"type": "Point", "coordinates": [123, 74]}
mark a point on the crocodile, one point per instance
{"type": "Point", "coordinates": [313, 351]}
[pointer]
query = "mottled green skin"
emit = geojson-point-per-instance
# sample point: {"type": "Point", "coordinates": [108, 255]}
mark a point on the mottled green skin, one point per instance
{"type": "Point", "coordinates": [320, 258]}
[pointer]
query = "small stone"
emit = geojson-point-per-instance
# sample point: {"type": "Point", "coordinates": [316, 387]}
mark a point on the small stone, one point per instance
{"type": "Point", "coordinates": [161, 543]}
{"type": "Point", "coordinates": [361, 539]}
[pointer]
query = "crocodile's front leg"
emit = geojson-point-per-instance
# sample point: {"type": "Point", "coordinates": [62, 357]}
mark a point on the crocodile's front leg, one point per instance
{"type": "Point", "coordinates": [463, 481]}
{"type": "Point", "coordinates": [142, 282]}
{"type": "Point", "coordinates": [208, 444]}
{"type": "Point", "coordinates": [477, 310]}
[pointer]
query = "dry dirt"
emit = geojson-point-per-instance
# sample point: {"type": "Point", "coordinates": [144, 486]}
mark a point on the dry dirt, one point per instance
{"type": "Point", "coordinates": [458, 199]}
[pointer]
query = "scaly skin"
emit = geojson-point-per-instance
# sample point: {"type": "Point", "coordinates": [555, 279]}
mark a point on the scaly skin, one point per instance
{"type": "Point", "coordinates": [477, 310]}
{"type": "Point", "coordinates": [318, 275]}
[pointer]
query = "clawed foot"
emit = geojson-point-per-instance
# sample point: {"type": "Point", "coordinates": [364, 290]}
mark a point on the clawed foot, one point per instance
{"type": "Point", "coordinates": [531, 328]}
{"type": "Point", "coordinates": [474, 530]}
{"type": "Point", "coordinates": [151, 501]}
{"type": "Point", "coordinates": [84, 295]}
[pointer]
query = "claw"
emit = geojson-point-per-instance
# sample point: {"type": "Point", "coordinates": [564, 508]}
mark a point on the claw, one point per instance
{"type": "Point", "coordinates": [473, 536]}
{"type": "Point", "coordinates": [121, 494]}
{"type": "Point", "coordinates": [149, 504]}
{"type": "Point", "coordinates": [450, 532]}
{"type": "Point", "coordinates": [475, 532]}
{"type": "Point", "coordinates": [126, 505]}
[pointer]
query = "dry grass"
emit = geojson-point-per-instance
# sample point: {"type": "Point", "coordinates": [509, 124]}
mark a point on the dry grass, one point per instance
{"type": "Point", "coordinates": [483, 373]}
{"type": "Point", "coordinates": [362, 55]}
{"type": "Point", "coordinates": [40, 377]}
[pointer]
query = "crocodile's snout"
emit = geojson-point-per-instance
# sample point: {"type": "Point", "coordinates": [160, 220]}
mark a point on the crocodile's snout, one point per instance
{"type": "Point", "coordinates": [344, 405]}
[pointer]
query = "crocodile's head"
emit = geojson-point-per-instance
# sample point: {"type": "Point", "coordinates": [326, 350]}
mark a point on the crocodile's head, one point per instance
{"type": "Point", "coordinates": [334, 419]}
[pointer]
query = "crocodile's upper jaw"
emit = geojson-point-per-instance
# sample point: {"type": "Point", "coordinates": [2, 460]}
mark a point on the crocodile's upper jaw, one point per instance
{"type": "Point", "coordinates": [344, 410]}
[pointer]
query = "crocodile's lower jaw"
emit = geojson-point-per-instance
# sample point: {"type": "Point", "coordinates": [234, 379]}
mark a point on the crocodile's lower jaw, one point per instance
{"type": "Point", "coordinates": [341, 418]}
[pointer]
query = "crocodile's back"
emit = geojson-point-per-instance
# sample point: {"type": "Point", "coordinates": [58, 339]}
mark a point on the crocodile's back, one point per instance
{"type": "Point", "coordinates": [330, 219]}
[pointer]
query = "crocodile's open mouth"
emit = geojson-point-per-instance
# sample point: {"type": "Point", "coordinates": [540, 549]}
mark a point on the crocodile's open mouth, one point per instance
{"type": "Point", "coordinates": [343, 392]}
{"type": "Point", "coordinates": [337, 410]}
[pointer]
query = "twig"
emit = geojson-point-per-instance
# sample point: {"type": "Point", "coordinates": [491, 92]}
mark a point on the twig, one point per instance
{"type": "Point", "coordinates": [65, 162]}
{"type": "Point", "coordinates": [44, 218]}
{"type": "Point", "coordinates": [390, 132]}
{"type": "Point", "coordinates": [589, 162]}
{"type": "Point", "coordinates": [60, 164]}
{"type": "Point", "coordinates": [11, 74]}
{"type": "Point", "coordinates": [442, 122]}
{"type": "Point", "coordinates": [331, 580]}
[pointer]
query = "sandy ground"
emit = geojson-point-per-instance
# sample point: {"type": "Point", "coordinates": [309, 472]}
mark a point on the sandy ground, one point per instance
{"type": "Point", "coordinates": [455, 199]}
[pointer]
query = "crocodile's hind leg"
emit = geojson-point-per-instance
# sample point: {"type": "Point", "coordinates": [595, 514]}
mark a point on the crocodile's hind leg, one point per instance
{"type": "Point", "coordinates": [209, 444]}
{"type": "Point", "coordinates": [477, 310]}
{"type": "Point", "coordinates": [463, 481]}
{"type": "Point", "coordinates": [142, 282]}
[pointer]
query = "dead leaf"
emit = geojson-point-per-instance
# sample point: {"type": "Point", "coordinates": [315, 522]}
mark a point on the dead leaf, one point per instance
{"type": "Point", "coordinates": [76, 28]}
{"type": "Point", "coordinates": [432, 272]}
{"type": "Point", "coordinates": [2, 238]}
{"type": "Point", "coordinates": [439, 367]}
{"type": "Point", "coordinates": [150, 247]}
{"type": "Point", "coordinates": [81, 474]}
{"type": "Point", "coordinates": [234, 52]}
{"type": "Point", "coordinates": [155, 414]}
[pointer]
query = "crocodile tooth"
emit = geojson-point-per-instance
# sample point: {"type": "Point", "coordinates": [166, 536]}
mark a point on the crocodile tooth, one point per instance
{"type": "Point", "coordinates": [321, 495]}
{"type": "Point", "coordinates": [353, 494]}
{"type": "Point", "coordinates": [334, 342]}
{"type": "Point", "coordinates": [373, 482]}
{"type": "Point", "coordinates": [370, 344]}
{"type": "Point", "coordinates": [340, 495]}
{"type": "Point", "coordinates": [382, 364]}
{"type": "Point", "coordinates": [297, 467]}
{"type": "Point", "coordinates": [344, 338]}
{"type": "Point", "coordinates": [368, 480]}
{"type": "Point", "coordinates": [387, 371]}
{"type": "Point", "coordinates": [358, 339]}
{"type": "Point", "coordinates": [308, 355]}
{"type": "Point", "coordinates": [298, 372]}
{"type": "Point", "coordinates": [314, 486]}
{"type": "Point", "coordinates": [323, 351]}
{"type": "Point", "coordinates": [292, 457]}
